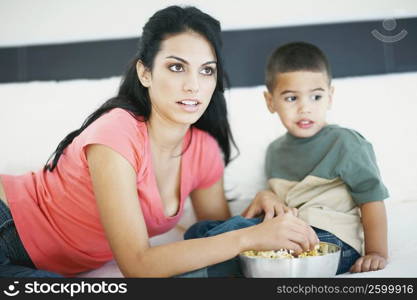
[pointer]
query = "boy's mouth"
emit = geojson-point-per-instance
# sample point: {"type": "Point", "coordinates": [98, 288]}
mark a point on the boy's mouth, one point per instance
{"type": "Point", "coordinates": [305, 123]}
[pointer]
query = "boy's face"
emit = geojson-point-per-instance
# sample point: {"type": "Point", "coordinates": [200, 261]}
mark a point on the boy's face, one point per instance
{"type": "Point", "coordinates": [301, 99]}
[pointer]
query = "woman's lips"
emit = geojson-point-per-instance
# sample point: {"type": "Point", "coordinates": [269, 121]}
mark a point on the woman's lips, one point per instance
{"type": "Point", "coordinates": [189, 105]}
{"type": "Point", "coordinates": [305, 124]}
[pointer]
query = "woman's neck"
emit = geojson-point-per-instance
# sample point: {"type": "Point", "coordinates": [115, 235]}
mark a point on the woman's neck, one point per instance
{"type": "Point", "coordinates": [166, 138]}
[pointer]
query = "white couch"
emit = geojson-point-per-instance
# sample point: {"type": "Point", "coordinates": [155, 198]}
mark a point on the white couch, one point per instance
{"type": "Point", "coordinates": [35, 116]}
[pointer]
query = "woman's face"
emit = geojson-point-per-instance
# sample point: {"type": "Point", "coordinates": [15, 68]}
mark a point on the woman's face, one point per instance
{"type": "Point", "coordinates": [182, 80]}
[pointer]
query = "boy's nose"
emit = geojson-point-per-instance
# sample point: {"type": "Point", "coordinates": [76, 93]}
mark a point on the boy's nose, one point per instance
{"type": "Point", "coordinates": [304, 107]}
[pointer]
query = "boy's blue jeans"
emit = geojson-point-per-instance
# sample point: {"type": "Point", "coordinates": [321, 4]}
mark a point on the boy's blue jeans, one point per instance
{"type": "Point", "coordinates": [231, 268]}
{"type": "Point", "coordinates": [14, 260]}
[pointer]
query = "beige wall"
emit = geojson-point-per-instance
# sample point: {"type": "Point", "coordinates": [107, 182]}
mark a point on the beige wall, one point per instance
{"type": "Point", "coordinates": [55, 21]}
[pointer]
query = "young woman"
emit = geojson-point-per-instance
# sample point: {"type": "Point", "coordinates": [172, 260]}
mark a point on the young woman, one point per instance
{"type": "Point", "coordinates": [124, 175]}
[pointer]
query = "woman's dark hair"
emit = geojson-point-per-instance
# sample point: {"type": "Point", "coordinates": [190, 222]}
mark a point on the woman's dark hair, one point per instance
{"type": "Point", "coordinates": [133, 96]}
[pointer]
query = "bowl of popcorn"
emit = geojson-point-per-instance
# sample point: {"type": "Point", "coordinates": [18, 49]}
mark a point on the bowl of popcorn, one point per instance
{"type": "Point", "coordinates": [319, 262]}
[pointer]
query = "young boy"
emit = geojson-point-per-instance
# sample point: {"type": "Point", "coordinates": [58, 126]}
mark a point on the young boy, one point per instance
{"type": "Point", "coordinates": [325, 174]}
{"type": "Point", "coordinates": [328, 173]}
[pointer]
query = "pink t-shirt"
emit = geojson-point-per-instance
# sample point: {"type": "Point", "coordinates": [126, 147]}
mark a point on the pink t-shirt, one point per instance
{"type": "Point", "coordinates": [56, 214]}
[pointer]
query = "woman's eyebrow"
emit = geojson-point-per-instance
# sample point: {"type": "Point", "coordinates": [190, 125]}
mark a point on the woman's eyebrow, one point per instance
{"type": "Point", "coordinates": [186, 62]}
{"type": "Point", "coordinates": [210, 62]}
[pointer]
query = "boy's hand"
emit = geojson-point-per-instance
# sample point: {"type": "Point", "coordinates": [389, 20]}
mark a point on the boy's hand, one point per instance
{"type": "Point", "coordinates": [268, 203]}
{"type": "Point", "coordinates": [369, 262]}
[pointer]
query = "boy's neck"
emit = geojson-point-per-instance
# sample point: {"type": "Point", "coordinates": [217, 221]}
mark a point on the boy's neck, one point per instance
{"type": "Point", "coordinates": [318, 133]}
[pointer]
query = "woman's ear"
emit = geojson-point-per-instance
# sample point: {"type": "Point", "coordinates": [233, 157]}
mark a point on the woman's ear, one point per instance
{"type": "Point", "coordinates": [144, 74]}
{"type": "Point", "coordinates": [269, 101]}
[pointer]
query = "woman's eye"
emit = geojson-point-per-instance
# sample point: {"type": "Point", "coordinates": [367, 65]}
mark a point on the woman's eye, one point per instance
{"type": "Point", "coordinates": [176, 68]}
{"type": "Point", "coordinates": [290, 98]}
{"type": "Point", "coordinates": [207, 71]}
{"type": "Point", "coordinates": [316, 97]}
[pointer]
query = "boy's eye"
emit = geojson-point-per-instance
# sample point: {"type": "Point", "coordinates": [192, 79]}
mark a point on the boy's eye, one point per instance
{"type": "Point", "coordinates": [176, 68]}
{"type": "Point", "coordinates": [207, 71]}
{"type": "Point", "coordinates": [316, 97]}
{"type": "Point", "coordinates": [290, 98]}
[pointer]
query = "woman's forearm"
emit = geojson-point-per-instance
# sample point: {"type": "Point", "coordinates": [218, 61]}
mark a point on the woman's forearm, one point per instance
{"type": "Point", "coordinates": [183, 256]}
{"type": "Point", "coordinates": [286, 231]}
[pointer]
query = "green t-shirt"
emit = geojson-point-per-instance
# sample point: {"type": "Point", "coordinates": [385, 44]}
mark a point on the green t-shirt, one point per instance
{"type": "Point", "coordinates": [333, 152]}
{"type": "Point", "coordinates": [326, 177]}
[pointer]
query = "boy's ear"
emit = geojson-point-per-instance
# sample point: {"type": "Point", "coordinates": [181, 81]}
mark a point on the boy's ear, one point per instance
{"type": "Point", "coordinates": [144, 74]}
{"type": "Point", "coordinates": [269, 102]}
{"type": "Point", "coordinates": [331, 91]}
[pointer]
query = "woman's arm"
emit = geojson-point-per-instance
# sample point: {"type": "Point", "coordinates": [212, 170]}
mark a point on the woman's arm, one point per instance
{"type": "Point", "coordinates": [210, 203]}
{"type": "Point", "coordinates": [374, 221]}
{"type": "Point", "coordinates": [114, 184]}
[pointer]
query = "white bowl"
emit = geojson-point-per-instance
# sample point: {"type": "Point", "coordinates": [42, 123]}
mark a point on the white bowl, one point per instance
{"type": "Point", "coordinates": [310, 266]}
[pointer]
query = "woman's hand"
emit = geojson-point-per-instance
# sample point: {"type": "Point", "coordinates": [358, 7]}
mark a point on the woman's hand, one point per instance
{"type": "Point", "coordinates": [268, 203]}
{"type": "Point", "coordinates": [369, 262]}
{"type": "Point", "coordinates": [285, 231]}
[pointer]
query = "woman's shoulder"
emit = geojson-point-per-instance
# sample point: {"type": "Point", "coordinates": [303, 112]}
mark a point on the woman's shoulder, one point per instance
{"type": "Point", "coordinates": [116, 126]}
{"type": "Point", "coordinates": [124, 115]}
{"type": "Point", "coordinates": [119, 130]}
{"type": "Point", "coordinates": [201, 137]}
{"type": "Point", "coordinates": [203, 148]}
{"type": "Point", "coordinates": [204, 158]}
{"type": "Point", "coordinates": [120, 119]}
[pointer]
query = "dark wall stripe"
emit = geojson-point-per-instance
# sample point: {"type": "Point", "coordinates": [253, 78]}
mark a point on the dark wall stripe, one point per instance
{"type": "Point", "coordinates": [350, 47]}
{"type": "Point", "coordinates": [99, 59]}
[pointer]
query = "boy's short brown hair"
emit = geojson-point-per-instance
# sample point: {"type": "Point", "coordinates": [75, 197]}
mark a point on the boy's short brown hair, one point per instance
{"type": "Point", "coordinates": [295, 56]}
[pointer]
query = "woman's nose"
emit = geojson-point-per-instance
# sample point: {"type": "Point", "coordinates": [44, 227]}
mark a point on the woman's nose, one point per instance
{"type": "Point", "coordinates": [191, 84]}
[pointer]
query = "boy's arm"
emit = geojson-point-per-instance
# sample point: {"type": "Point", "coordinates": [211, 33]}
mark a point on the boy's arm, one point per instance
{"type": "Point", "coordinates": [374, 222]}
{"type": "Point", "coordinates": [268, 203]}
